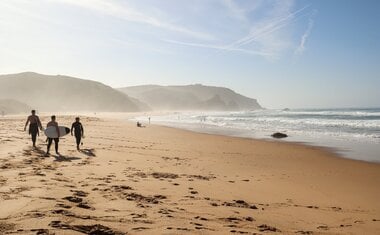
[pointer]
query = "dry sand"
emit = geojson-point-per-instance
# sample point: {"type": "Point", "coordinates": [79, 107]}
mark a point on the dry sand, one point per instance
{"type": "Point", "coordinates": [159, 180]}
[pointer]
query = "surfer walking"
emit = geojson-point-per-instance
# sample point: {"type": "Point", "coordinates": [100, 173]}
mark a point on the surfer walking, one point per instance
{"type": "Point", "coordinates": [78, 131]}
{"type": "Point", "coordinates": [50, 140]}
{"type": "Point", "coordinates": [34, 123]}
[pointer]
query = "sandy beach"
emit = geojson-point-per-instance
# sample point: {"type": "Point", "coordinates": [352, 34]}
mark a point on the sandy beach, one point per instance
{"type": "Point", "coordinates": [160, 180]}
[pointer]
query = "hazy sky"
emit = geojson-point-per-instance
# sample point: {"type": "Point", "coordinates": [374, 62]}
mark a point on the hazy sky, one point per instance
{"type": "Point", "coordinates": [285, 53]}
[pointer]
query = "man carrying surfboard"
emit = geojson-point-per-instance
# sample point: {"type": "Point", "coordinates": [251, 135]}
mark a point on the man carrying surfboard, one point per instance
{"type": "Point", "coordinates": [35, 123]}
{"type": "Point", "coordinates": [78, 130]}
{"type": "Point", "coordinates": [53, 123]}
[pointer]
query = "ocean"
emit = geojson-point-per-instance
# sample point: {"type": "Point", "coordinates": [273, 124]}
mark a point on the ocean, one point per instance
{"type": "Point", "coordinates": [352, 133]}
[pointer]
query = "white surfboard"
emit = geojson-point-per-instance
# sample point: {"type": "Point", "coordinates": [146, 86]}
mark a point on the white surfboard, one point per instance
{"type": "Point", "coordinates": [51, 131]}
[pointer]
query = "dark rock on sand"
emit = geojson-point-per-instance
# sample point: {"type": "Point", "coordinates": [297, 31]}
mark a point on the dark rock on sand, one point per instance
{"type": "Point", "coordinates": [279, 135]}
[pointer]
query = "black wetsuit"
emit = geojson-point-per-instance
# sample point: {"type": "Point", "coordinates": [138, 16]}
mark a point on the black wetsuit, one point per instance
{"type": "Point", "coordinates": [50, 140]}
{"type": "Point", "coordinates": [78, 131]}
{"type": "Point", "coordinates": [33, 129]}
{"type": "Point", "coordinates": [56, 141]}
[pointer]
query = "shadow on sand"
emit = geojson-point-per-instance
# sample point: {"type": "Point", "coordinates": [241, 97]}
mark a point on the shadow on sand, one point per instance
{"type": "Point", "coordinates": [39, 151]}
{"type": "Point", "coordinates": [62, 158]}
{"type": "Point", "coordinates": [88, 152]}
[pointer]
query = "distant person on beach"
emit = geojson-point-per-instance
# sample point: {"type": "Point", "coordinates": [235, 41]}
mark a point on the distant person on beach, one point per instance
{"type": "Point", "coordinates": [35, 123]}
{"type": "Point", "coordinates": [78, 131]}
{"type": "Point", "coordinates": [149, 120]}
{"type": "Point", "coordinates": [50, 140]}
{"type": "Point", "coordinates": [139, 124]}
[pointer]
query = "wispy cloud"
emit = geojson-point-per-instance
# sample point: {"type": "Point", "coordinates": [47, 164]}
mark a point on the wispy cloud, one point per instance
{"type": "Point", "coordinates": [126, 12]}
{"type": "Point", "coordinates": [268, 26]}
{"type": "Point", "coordinates": [301, 47]}
{"type": "Point", "coordinates": [218, 47]}
{"type": "Point", "coordinates": [268, 35]}
{"type": "Point", "coordinates": [262, 28]}
{"type": "Point", "coordinates": [234, 10]}
{"type": "Point", "coordinates": [140, 46]}
{"type": "Point", "coordinates": [241, 12]}
{"type": "Point", "coordinates": [15, 7]}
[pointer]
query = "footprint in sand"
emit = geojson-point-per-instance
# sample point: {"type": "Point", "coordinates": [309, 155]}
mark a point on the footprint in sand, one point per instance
{"type": "Point", "coordinates": [305, 232]}
{"type": "Point", "coordinates": [323, 227]}
{"type": "Point", "coordinates": [73, 199]}
{"type": "Point", "coordinates": [63, 206]}
{"type": "Point", "coordinates": [265, 228]}
{"type": "Point", "coordinates": [237, 231]}
{"type": "Point", "coordinates": [201, 218]}
{"type": "Point", "coordinates": [41, 231]}
{"type": "Point", "coordinates": [140, 228]}
{"type": "Point", "coordinates": [79, 193]}
{"type": "Point", "coordinates": [166, 212]}
{"type": "Point", "coordinates": [4, 227]}
{"type": "Point", "coordinates": [84, 205]}
{"type": "Point", "coordinates": [63, 212]}
{"type": "Point", "coordinates": [86, 229]}
{"type": "Point", "coordinates": [240, 204]}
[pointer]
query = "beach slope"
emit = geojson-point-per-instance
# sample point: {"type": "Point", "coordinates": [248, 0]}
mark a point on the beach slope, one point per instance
{"type": "Point", "coordinates": [159, 180]}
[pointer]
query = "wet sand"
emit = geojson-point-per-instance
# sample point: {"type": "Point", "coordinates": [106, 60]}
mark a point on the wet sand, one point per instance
{"type": "Point", "coordinates": [160, 180]}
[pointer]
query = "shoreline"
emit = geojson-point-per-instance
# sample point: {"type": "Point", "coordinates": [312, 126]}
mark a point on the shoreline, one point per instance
{"type": "Point", "coordinates": [336, 151]}
{"type": "Point", "coordinates": [340, 151]}
{"type": "Point", "coordinates": [348, 132]}
{"type": "Point", "coordinates": [332, 152]}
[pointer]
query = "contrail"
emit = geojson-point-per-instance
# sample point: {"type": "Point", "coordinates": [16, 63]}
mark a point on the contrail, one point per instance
{"type": "Point", "coordinates": [216, 47]}
{"type": "Point", "coordinates": [268, 29]}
